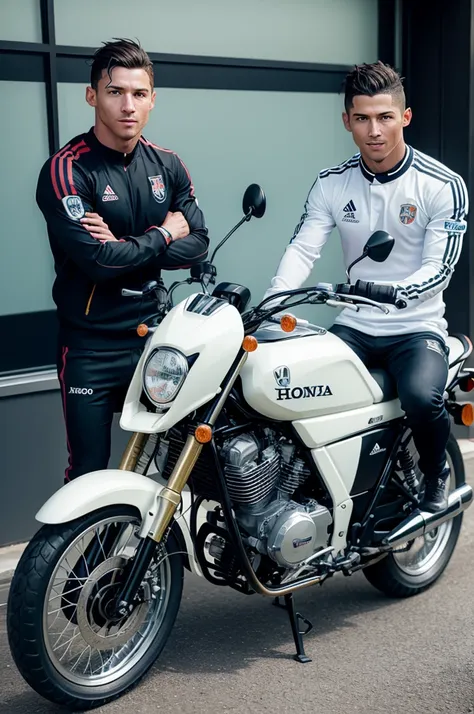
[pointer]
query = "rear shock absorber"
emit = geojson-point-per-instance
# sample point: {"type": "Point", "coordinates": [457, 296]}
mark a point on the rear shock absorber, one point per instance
{"type": "Point", "coordinates": [407, 465]}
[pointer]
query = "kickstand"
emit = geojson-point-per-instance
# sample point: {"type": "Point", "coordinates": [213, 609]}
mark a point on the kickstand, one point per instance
{"type": "Point", "coordinates": [295, 618]}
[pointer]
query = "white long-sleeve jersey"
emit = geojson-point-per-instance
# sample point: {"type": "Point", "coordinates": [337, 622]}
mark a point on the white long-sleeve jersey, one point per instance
{"type": "Point", "coordinates": [420, 202]}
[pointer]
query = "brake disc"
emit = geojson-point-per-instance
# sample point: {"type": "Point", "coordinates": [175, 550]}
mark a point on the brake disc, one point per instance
{"type": "Point", "coordinates": [107, 633]}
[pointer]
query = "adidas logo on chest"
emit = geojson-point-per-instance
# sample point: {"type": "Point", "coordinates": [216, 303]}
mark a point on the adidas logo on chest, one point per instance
{"type": "Point", "coordinates": [349, 211]}
{"type": "Point", "coordinates": [109, 194]}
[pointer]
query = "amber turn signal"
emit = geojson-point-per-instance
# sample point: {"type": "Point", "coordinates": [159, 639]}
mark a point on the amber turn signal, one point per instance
{"type": "Point", "coordinates": [250, 343]}
{"type": "Point", "coordinates": [203, 434]}
{"type": "Point", "coordinates": [142, 330]}
{"type": "Point", "coordinates": [288, 323]}
{"type": "Point", "coordinates": [467, 414]}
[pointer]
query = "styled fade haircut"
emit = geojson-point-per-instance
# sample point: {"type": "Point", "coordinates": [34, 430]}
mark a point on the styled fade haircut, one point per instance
{"type": "Point", "coordinates": [371, 79]}
{"type": "Point", "coordinates": [120, 53]}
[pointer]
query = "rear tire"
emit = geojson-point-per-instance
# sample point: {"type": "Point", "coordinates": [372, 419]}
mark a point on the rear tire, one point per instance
{"type": "Point", "coordinates": [44, 667]}
{"type": "Point", "coordinates": [395, 579]}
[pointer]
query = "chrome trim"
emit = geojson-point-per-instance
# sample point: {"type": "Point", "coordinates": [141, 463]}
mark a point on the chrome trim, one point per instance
{"type": "Point", "coordinates": [423, 522]}
{"type": "Point", "coordinates": [28, 383]}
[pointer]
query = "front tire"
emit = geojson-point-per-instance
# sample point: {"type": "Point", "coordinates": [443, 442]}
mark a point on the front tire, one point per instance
{"type": "Point", "coordinates": [62, 638]}
{"type": "Point", "coordinates": [403, 574]}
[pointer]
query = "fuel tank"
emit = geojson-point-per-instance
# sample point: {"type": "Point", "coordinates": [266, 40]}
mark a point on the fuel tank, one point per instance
{"type": "Point", "coordinates": [305, 373]}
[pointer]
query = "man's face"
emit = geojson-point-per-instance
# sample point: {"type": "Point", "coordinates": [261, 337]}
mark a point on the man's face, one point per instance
{"type": "Point", "coordinates": [123, 103]}
{"type": "Point", "coordinates": [376, 124]}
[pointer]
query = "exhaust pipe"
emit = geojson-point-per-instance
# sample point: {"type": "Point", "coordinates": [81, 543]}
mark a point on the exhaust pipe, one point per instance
{"type": "Point", "coordinates": [422, 522]}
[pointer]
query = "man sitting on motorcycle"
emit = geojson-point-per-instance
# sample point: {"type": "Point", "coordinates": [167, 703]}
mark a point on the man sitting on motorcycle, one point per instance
{"type": "Point", "coordinates": [393, 187]}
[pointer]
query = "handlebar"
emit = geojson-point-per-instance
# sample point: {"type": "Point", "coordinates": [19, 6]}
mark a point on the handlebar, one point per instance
{"type": "Point", "coordinates": [340, 295]}
{"type": "Point", "coordinates": [378, 293]}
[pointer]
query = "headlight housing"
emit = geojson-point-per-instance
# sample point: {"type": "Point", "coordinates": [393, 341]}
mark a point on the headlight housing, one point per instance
{"type": "Point", "coordinates": [163, 376]}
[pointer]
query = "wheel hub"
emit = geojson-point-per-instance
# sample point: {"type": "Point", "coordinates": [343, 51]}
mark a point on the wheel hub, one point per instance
{"type": "Point", "coordinates": [98, 622]}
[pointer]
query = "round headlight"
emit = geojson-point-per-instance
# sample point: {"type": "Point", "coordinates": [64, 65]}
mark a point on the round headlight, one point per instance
{"type": "Point", "coordinates": [164, 373]}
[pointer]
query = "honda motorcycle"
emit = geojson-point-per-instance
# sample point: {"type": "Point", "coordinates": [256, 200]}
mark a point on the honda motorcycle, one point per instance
{"type": "Point", "coordinates": [264, 457]}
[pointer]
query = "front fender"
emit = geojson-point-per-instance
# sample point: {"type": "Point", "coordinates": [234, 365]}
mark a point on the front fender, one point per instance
{"type": "Point", "coordinates": [95, 490]}
{"type": "Point", "coordinates": [111, 487]}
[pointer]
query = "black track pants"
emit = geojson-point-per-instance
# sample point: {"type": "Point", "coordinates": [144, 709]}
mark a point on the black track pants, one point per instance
{"type": "Point", "coordinates": [93, 387]}
{"type": "Point", "coordinates": [419, 365]}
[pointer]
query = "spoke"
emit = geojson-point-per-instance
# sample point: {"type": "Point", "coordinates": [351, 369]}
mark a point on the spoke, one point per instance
{"type": "Point", "coordinates": [62, 633]}
{"type": "Point", "coordinates": [100, 542]}
{"type": "Point", "coordinates": [61, 609]}
{"type": "Point", "coordinates": [83, 551]}
{"type": "Point", "coordinates": [68, 642]}
{"type": "Point", "coordinates": [117, 548]}
{"type": "Point", "coordinates": [52, 624]}
{"type": "Point", "coordinates": [110, 658]}
{"type": "Point", "coordinates": [70, 570]}
{"type": "Point", "coordinates": [101, 666]}
{"type": "Point", "coordinates": [63, 595]}
{"type": "Point", "coordinates": [89, 659]}
{"type": "Point", "coordinates": [58, 583]}
{"type": "Point", "coordinates": [69, 646]}
{"type": "Point", "coordinates": [79, 658]}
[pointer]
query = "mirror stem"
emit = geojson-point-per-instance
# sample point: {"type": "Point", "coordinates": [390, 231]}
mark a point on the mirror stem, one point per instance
{"type": "Point", "coordinates": [247, 217]}
{"type": "Point", "coordinates": [364, 255]}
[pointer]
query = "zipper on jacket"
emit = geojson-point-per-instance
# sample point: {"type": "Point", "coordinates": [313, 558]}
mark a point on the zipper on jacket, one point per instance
{"type": "Point", "coordinates": [88, 306]}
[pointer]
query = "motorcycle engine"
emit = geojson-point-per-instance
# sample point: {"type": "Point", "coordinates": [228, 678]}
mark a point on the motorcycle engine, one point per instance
{"type": "Point", "coordinates": [262, 475]}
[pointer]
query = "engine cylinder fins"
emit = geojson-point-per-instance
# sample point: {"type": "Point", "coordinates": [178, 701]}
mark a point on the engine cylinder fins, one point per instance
{"type": "Point", "coordinates": [293, 475]}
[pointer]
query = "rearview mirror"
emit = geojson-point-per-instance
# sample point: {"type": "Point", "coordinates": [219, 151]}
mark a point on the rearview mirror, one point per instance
{"type": "Point", "coordinates": [254, 201]}
{"type": "Point", "coordinates": [379, 246]}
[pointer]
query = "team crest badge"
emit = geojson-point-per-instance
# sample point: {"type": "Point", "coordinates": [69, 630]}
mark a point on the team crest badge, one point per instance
{"type": "Point", "coordinates": [74, 207]}
{"type": "Point", "coordinates": [158, 188]}
{"type": "Point", "coordinates": [407, 213]}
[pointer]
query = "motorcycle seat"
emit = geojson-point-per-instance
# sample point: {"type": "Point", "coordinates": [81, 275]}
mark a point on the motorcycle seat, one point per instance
{"type": "Point", "coordinates": [459, 346]}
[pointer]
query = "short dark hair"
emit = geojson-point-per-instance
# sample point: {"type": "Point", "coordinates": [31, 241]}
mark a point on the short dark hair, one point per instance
{"type": "Point", "coordinates": [120, 53]}
{"type": "Point", "coordinates": [371, 79]}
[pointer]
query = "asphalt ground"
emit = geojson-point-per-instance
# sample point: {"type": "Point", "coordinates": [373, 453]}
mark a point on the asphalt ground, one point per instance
{"type": "Point", "coordinates": [370, 654]}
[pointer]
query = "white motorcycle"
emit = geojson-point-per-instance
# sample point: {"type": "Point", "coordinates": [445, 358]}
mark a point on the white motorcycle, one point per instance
{"type": "Point", "coordinates": [271, 459]}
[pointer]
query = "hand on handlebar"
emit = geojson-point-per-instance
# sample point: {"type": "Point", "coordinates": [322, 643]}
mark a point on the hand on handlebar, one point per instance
{"type": "Point", "coordinates": [373, 291]}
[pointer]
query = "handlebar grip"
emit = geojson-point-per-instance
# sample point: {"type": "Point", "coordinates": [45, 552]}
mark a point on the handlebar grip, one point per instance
{"type": "Point", "coordinates": [379, 293]}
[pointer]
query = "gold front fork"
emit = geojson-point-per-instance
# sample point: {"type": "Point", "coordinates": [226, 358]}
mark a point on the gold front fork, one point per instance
{"type": "Point", "coordinates": [134, 450]}
{"type": "Point", "coordinates": [168, 499]}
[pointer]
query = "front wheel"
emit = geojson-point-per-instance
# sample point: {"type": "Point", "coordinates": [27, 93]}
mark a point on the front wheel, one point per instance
{"type": "Point", "coordinates": [65, 638]}
{"type": "Point", "coordinates": [415, 566]}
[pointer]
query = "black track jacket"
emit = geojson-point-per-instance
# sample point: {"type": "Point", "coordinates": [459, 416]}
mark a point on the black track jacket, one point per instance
{"type": "Point", "coordinates": [133, 194]}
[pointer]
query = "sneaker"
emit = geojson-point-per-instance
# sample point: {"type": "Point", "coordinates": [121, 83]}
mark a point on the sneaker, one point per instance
{"type": "Point", "coordinates": [435, 494]}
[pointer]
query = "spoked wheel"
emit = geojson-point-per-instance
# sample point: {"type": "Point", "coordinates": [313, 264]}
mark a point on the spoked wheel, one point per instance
{"type": "Point", "coordinates": [416, 565]}
{"type": "Point", "coordinates": [65, 635]}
